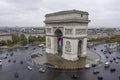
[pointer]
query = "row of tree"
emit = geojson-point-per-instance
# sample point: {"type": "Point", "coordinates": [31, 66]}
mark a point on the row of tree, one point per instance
{"type": "Point", "coordinates": [21, 39]}
{"type": "Point", "coordinates": [106, 39]}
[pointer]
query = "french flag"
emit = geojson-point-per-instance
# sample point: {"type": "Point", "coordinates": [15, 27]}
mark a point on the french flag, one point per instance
{"type": "Point", "coordinates": [60, 41]}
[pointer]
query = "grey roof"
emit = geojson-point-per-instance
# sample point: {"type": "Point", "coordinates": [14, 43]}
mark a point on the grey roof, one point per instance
{"type": "Point", "coordinates": [67, 12]}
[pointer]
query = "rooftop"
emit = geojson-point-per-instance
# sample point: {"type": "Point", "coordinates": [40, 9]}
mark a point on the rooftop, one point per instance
{"type": "Point", "coordinates": [67, 12]}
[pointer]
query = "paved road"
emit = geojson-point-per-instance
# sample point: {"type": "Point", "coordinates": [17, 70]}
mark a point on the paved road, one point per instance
{"type": "Point", "coordinates": [8, 69]}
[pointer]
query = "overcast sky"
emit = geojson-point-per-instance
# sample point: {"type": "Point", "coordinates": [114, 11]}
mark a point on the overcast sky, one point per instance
{"type": "Point", "coordinates": [103, 13]}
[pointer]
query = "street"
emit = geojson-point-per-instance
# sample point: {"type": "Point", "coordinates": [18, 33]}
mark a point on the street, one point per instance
{"type": "Point", "coordinates": [9, 68]}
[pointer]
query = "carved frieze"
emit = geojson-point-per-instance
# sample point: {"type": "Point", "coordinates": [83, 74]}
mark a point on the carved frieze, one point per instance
{"type": "Point", "coordinates": [68, 31]}
{"type": "Point", "coordinates": [80, 31]}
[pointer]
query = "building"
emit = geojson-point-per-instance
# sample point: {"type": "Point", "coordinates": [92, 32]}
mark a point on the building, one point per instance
{"type": "Point", "coordinates": [66, 34]}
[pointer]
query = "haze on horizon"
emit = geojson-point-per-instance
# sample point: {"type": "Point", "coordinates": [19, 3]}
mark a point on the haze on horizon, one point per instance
{"type": "Point", "coordinates": [103, 13]}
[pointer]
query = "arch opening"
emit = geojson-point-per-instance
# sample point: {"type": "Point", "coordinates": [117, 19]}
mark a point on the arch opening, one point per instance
{"type": "Point", "coordinates": [59, 41]}
{"type": "Point", "coordinates": [79, 48]}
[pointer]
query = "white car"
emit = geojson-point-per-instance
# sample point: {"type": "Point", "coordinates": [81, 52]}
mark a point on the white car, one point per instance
{"type": "Point", "coordinates": [107, 64]}
{"type": "Point", "coordinates": [87, 66]}
{"type": "Point", "coordinates": [41, 45]}
{"type": "Point", "coordinates": [117, 61]}
{"type": "Point", "coordinates": [0, 62]}
{"type": "Point", "coordinates": [41, 70]}
{"type": "Point", "coordinates": [29, 68]}
{"type": "Point", "coordinates": [96, 71]}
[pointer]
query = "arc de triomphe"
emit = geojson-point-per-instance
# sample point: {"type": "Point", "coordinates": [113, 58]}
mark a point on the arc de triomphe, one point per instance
{"type": "Point", "coordinates": [66, 33]}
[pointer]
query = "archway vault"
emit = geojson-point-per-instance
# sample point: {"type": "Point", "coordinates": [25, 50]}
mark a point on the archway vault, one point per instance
{"type": "Point", "coordinates": [58, 41]}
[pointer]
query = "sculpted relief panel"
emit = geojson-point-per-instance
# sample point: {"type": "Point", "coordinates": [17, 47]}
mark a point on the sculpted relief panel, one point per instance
{"type": "Point", "coordinates": [68, 31]}
{"type": "Point", "coordinates": [80, 31]}
{"type": "Point", "coordinates": [67, 47]}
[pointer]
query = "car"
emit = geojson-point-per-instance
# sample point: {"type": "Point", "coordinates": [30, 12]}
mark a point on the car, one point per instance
{"type": "Point", "coordinates": [118, 57]}
{"type": "Point", "coordinates": [100, 78]}
{"type": "Point", "coordinates": [9, 60]}
{"type": "Point", "coordinates": [87, 66]}
{"type": "Point", "coordinates": [42, 70]}
{"type": "Point", "coordinates": [14, 61]}
{"type": "Point", "coordinates": [117, 61]}
{"type": "Point", "coordinates": [102, 50]}
{"type": "Point", "coordinates": [40, 45]}
{"type": "Point", "coordinates": [114, 58]}
{"type": "Point", "coordinates": [107, 64]}
{"type": "Point", "coordinates": [93, 65]}
{"type": "Point", "coordinates": [112, 70]}
{"type": "Point", "coordinates": [96, 71]}
{"type": "Point", "coordinates": [0, 63]}
{"type": "Point", "coordinates": [21, 62]}
{"type": "Point", "coordinates": [16, 75]}
{"type": "Point", "coordinates": [29, 68]}
{"type": "Point", "coordinates": [75, 76]}
{"type": "Point", "coordinates": [34, 48]}
{"type": "Point", "coordinates": [106, 56]}
{"type": "Point", "coordinates": [111, 61]}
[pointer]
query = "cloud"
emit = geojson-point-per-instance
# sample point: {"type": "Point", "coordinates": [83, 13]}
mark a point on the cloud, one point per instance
{"type": "Point", "coordinates": [31, 12]}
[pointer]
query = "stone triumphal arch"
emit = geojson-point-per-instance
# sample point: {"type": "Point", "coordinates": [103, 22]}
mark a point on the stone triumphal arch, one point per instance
{"type": "Point", "coordinates": [66, 34]}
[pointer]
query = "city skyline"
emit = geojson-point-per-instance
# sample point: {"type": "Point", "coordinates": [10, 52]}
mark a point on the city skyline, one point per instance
{"type": "Point", "coordinates": [31, 13]}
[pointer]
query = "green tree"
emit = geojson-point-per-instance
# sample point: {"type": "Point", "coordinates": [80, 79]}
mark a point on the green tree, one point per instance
{"type": "Point", "coordinates": [32, 39]}
{"type": "Point", "coordinates": [9, 42]}
{"type": "Point", "coordinates": [23, 39]}
{"type": "Point", "coordinates": [15, 38]}
{"type": "Point", "coordinates": [2, 42]}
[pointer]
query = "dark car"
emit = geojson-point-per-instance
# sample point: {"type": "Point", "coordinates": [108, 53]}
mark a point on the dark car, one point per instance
{"type": "Point", "coordinates": [11, 54]}
{"type": "Point", "coordinates": [112, 70]}
{"type": "Point", "coordinates": [14, 61]}
{"type": "Point", "coordinates": [21, 62]}
{"type": "Point", "coordinates": [96, 71]}
{"type": "Point", "coordinates": [75, 76]}
{"type": "Point", "coordinates": [16, 75]}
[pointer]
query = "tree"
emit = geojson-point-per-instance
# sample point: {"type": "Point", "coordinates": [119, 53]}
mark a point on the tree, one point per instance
{"type": "Point", "coordinates": [9, 42]}
{"type": "Point", "coordinates": [41, 38]}
{"type": "Point", "coordinates": [15, 38]}
{"type": "Point", "coordinates": [23, 39]}
{"type": "Point", "coordinates": [2, 42]}
{"type": "Point", "coordinates": [32, 39]}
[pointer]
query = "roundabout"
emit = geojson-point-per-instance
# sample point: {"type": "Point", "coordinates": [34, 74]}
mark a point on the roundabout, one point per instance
{"type": "Point", "coordinates": [55, 61]}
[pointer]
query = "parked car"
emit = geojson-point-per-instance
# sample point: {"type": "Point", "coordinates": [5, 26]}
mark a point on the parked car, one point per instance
{"type": "Point", "coordinates": [87, 66]}
{"type": "Point", "coordinates": [29, 68]}
{"type": "Point", "coordinates": [42, 70]}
